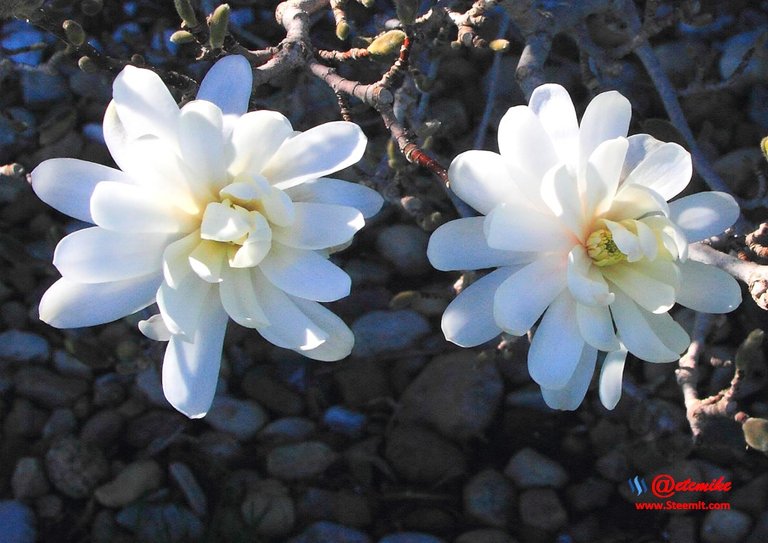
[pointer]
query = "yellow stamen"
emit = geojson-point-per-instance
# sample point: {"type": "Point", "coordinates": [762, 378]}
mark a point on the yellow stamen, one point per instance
{"type": "Point", "coordinates": [602, 249]}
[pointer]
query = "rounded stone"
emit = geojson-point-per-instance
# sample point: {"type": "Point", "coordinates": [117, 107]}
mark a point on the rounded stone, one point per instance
{"type": "Point", "coordinates": [541, 508]}
{"type": "Point", "coordinates": [381, 331]}
{"type": "Point", "coordinates": [131, 483]}
{"type": "Point", "coordinates": [423, 456]}
{"type": "Point", "coordinates": [528, 469]}
{"type": "Point", "coordinates": [28, 479]}
{"type": "Point", "coordinates": [17, 522]}
{"type": "Point", "coordinates": [241, 418]}
{"type": "Point", "coordinates": [75, 468]}
{"type": "Point", "coordinates": [725, 526]}
{"type": "Point", "coordinates": [298, 461]}
{"type": "Point", "coordinates": [405, 246]}
{"type": "Point", "coordinates": [488, 498]}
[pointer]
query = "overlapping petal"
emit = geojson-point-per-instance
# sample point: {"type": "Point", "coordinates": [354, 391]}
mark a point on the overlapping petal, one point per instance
{"type": "Point", "coordinates": [319, 226]}
{"type": "Point", "coordinates": [707, 289]}
{"type": "Point", "coordinates": [570, 396]}
{"type": "Point", "coordinates": [704, 214]}
{"type": "Point", "coordinates": [144, 104]}
{"type": "Point", "coordinates": [338, 192]}
{"type": "Point", "coordinates": [482, 180]}
{"type": "Point", "coordinates": [228, 85]}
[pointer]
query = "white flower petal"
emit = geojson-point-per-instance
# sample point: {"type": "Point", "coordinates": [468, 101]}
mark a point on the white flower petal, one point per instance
{"type": "Point", "coordinates": [319, 151]}
{"type": "Point", "coordinates": [482, 180]}
{"type": "Point", "coordinates": [191, 366]}
{"type": "Point", "coordinates": [144, 104]}
{"type": "Point", "coordinates": [67, 304]}
{"type": "Point", "coordinates": [569, 397]}
{"type": "Point", "coordinates": [340, 339]}
{"type": "Point", "coordinates": [176, 258]}
{"type": "Point", "coordinates": [468, 320]}
{"type": "Point", "coordinates": [704, 214]}
{"type": "Point", "coordinates": [222, 222]}
{"type": "Point", "coordinates": [129, 208]}
{"type": "Point", "coordinates": [667, 170]}
{"type": "Point", "coordinates": [201, 142]}
{"type": "Point", "coordinates": [67, 184]}
{"type": "Point", "coordinates": [115, 136]}
{"type": "Point", "coordinates": [635, 201]}
{"type": "Point", "coordinates": [669, 332]}
{"type": "Point", "coordinates": [251, 253]}
{"type": "Point", "coordinates": [627, 242]}
{"type": "Point", "coordinates": [640, 146]}
{"type": "Point", "coordinates": [557, 345]}
{"type": "Point", "coordinates": [240, 298]}
{"type": "Point", "coordinates": [648, 242]}
{"type": "Point", "coordinates": [653, 285]}
{"type": "Point", "coordinates": [207, 260]}
{"type": "Point", "coordinates": [228, 85]}
{"type": "Point", "coordinates": [461, 245]}
{"type": "Point", "coordinates": [278, 207]}
{"type": "Point", "coordinates": [255, 138]}
{"type": "Point", "coordinates": [636, 333]}
{"type": "Point", "coordinates": [305, 274]}
{"type": "Point", "coordinates": [602, 175]}
{"type": "Point", "coordinates": [561, 194]}
{"type": "Point", "coordinates": [95, 255]}
{"type": "Point", "coordinates": [526, 145]}
{"type": "Point", "coordinates": [596, 326]}
{"type": "Point", "coordinates": [319, 226]}
{"type": "Point", "coordinates": [585, 282]}
{"type": "Point", "coordinates": [606, 117]}
{"type": "Point", "coordinates": [611, 375]}
{"type": "Point", "coordinates": [338, 192]}
{"type": "Point", "coordinates": [154, 328]}
{"type": "Point", "coordinates": [521, 299]}
{"type": "Point", "coordinates": [518, 227]}
{"type": "Point", "coordinates": [707, 289]}
{"type": "Point", "coordinates": [181, 305]}
{"type": "Point", "coordinates": [289, 327]}
{"type": "Point", "coordinates": [553, 106]}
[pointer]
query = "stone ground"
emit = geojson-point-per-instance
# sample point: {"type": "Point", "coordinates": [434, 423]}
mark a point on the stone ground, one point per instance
{"type": "Point", "coordinates": [411, 440]}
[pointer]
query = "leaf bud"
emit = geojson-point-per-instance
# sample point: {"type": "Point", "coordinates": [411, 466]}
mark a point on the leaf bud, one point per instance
{"type": "Point", "coordinates": [87, 65]}
{"type": "Point", "coordinates": [218, 23]}
{"type": "Point", "coordinates": [182, 36]}
{"type": "Point", "coordinates": [186, 12]}
{"type": "Point", "coordinates": [388, 43]}
{"type": "Point", "coordinates": [74, 32]}
{"type": "Point", "coordinates": [342, 30]}
{"type": "Point", "coordinates": [756, 433]}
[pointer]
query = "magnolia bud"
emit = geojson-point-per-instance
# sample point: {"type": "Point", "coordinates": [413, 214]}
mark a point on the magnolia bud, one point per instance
{"type": "Point", "coordinates": [499, 46]}
{"type": "Point", "coordinates": [218, 23]}
{"type": "Point", "coordinates": [87, 65]}
{"type": "Point", "coordinates": [182, 36]}
{"type": "Point", "coordinates": [756, 433]}
{"type": "Point", "coordinates": [74, 32]}
{"type": "Point", "coordinates": [342, 30]}
{"type": "Point", "coordinates": [186, 12]}
{"type": "Point", "coordinates": [387, 44]}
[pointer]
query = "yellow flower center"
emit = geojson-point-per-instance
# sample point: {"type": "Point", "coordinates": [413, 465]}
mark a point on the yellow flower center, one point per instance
{"type": "Point", "coordinates": [602, 249]}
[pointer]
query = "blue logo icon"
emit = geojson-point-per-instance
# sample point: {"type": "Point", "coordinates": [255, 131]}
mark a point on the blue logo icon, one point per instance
{"type": "Point", "coordinates": [638, 485]}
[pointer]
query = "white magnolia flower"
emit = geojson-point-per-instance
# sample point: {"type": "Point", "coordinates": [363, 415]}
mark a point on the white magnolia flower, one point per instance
{"type": "Point", "coordinates": [578, 225]}
{"type": "Point", "coordinates": [215, 213]}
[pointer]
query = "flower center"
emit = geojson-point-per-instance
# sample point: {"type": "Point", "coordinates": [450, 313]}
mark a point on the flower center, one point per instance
{"type": "Point", "coordinates": [602, 249]}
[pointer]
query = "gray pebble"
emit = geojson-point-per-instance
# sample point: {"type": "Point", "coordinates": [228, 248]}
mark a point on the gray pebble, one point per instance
{"type": "Point", "coordinates": [300, 460]}
{"type": "Point", "coordinates": [104, 428]}
{"type": "Point", "coordinates": [286, 430]}
{"type": "Point", "coordinates": [75, 468]}
{"type": "Point", "coordinates": [69, 366]}
{"type": "Point", "coordinates": [268, 507]}
{"type": "Point", "coordinates": [487, 535]}
{"type": "Point", "coordinates": [488, 498]}
{"type": "Point", "coordinates": [760, 533]}
{"type": "Point", "coordinates": [342, 507]}
{"type": "Point", "coordinates": [220, 446]}
{"type": "Point", "coordinates": [149, 384]}
{"type": "Point", "coordinates": [541, 508]}
{"type": "Point", "coordinates": [381, 331]}
{"type": "Point", "coordinates": [153, 425]}
{"type": "Point", "coordinates": [19, 346]}
{"type": "Point", "coordinates": [325, 532]}
{"type": "Point", "coordinates": [24, 419]}
{"type": "Point", "coordinates": [410, 537]}
{"type": "Point", "coordinates": [61, 422]}
{"type": "Point", "coordinates": [18, 523]}
{"type": "Point", "coordinates": [423, 456]}
{"type": "Point", "coordinates": [49, 507]}
{"type": "Point", "coordinates": [527, 468]}
{"type": "Point", "coordinates": [14, 314]}
{"type": "Point", "coordinates": [592, 493]}
{"type": "Point", "coordinates": [169, 523]}
{"type": "Point", "coordinates": [343, 420]}
{"type": "Point", "coordinates": [405, 246]}
{"type": "Point", "coordinates": [47, 388]}
{"type": "Point", "coordinates": [133, 481]}
{"type": "Point", "coordinates": [271, 393]}
{"type": "Point", "coordinates": [189, 486]}
{"type": "Point", "coordinates": [457, 394]}
{"type": "Point", "coordinates": [109, 390]}
{"type": "Point", "coordinates": [241, 418]}
{"type": "Point", "coordinates": [361, 381]}
{"type": "Point", "coordinates": [725, 526]}
{"type": "Point", "coordinates": [28, 480]}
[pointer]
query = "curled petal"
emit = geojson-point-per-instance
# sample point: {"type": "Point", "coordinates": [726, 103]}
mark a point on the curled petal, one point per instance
{"type": "Point", "coordinates": [557, 345]}
{"type": "Point", "coordinates": [666, 170]}
{"type": "Point", "coordinates": [585, 282]}
{"type": "Point", "coordinates": [602, 175]}
{"type": "Point", "coordinates": [191, 365]}
{"type": "Point", "coordinates": [340, 339]}
{"type": "Point", "coordinates": [305, 274]}
{"type": "Point", "coordinates": [144, 104]}
{"type": "Point", "coordinates": [67, 184]}
{"type": "Point", "coordinates": [482, 180]}
{"type": "Point", "coordinates": [707, 289]}
{"type": "Point", "coordinates": [611, 375]}
{"type": "Point", "coordinates": [461, 245]}
{"type": "Point", "coordinates": [704, 214]}
{"type": "Point", "coordinates": [315, 153]}
{"type": "Point", "coordinates": [228, 85]}
{"type": "Point", "coordinates": [240, 298]}
{"type": "Point", "coordinates": [521, 299]}
{"type": "Point", "coordinates": [572, 394]}
{"type": "Point", "coordinates": [257, 136]}
{"type": "Point", "coordinates": [74, 305]}
{"type": "Point", "coordinates": [468, 320]}
{"type": "Point", "coordinates": [596, 326]}
{"type": "Point", "coordinates": [154, 328]}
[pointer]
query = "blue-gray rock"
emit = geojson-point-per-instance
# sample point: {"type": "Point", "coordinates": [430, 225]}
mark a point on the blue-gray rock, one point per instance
{"type": "Point", "coordinates": [286, 430]}
{"type": "Point", "coordinates": [488, 498]}
{"type": "Point", "coordinates": [528, 468]}
{"type": "Point", "coordinates": [17, 523]}
{"type": "Point", "coordinates": [410, 537]}
{"type": "Point", "coordinates": [344, 421]}
{"type": "Point", "coordinates": [169, 523]}
{"type": "Point", "coordinates": [725, 526]}
{"type": "Point", "coordinates": [18, 346]}
{"type": "Point", "coordinates": [423, 456]}
{"type": "Point", "coordinates": [541, 508]}
{"type": "Point", "coordinates": [47, 388]}
{"type": "Point", "coordinates": [381, 331]}
{"type": "Point", "coordinates": [405, 246]}
{"type": "Point", "coordinates": [327, 532]}
{"type": "Point", "coordinates": [300, 460]}
{"type": "Point", "coordinates": [28, 480]}
{"type": "Point", "coordinates": [457, 394]}
{"type": "Point", "coordinates": [19, 35]}
{"type": "Point", "coordinates": [485, 535]}
{"type": "Point", "coordinates": [68, 365]}
{"type": "Point", "coordinates": [148, 382]}
{"type": "Point", "coordinates": [241, 418]}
